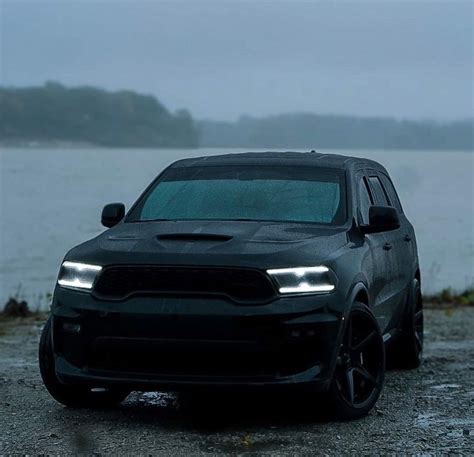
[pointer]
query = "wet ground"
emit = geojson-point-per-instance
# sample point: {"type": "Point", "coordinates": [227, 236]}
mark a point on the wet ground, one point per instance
{"type": "Point", "coordinates": [429, 410]}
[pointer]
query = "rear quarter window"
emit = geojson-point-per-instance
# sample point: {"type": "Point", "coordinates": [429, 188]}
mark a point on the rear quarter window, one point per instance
{"type": "Point", "coordinates": [381, 197]}
{"type": "Point", "coordinates": [392, 193]}
{"type": "Point", "coordinates": [365, 200]}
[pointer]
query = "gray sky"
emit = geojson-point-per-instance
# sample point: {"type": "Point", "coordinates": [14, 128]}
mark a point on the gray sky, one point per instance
{"type": "Point", "coordinates": [223, 59]}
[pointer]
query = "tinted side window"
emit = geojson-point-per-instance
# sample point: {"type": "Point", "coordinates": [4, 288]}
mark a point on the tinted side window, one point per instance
{"type": "Point", "coordinates": [379, 192]}
{"type": "Point", "coordinates": [392, 194]}
{"type": "Point", "coordinates": [365, 200]}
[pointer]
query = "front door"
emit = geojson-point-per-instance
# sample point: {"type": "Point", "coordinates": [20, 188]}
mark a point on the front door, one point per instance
{"type": "Point", "coordinates": [375, 260]}
{"type": "Point", "coordinates": [404, 245]}
{"type": "Point", "coordinates": [395, 287]}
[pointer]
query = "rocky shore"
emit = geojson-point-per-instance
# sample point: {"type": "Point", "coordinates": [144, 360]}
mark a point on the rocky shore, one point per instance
{"type": "Point", "coordinates": [424, 411]}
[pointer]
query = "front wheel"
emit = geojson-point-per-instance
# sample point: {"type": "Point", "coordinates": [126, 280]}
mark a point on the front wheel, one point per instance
{"type": "Point", "coordinates": [69, 395]}
{"type": "Point", "coordinates": [360, 366]}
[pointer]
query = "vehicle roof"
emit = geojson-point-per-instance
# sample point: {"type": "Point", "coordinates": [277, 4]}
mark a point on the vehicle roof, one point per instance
{"type": "Point", "coordinates": [272, 158]}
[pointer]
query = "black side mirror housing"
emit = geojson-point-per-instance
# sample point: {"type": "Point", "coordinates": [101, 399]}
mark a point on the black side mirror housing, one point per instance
{"type": "Point", "coordinates": [112, 214]}
{"type": "Point", "coordinates": [381, 219]}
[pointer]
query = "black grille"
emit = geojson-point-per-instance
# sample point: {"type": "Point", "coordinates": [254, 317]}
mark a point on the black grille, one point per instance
{"type": "Point", "coordinates": [241, 285]}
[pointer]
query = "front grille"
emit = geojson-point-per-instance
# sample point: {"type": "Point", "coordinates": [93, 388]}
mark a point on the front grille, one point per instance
{"type": "Point", "coordinates": [240, 285]}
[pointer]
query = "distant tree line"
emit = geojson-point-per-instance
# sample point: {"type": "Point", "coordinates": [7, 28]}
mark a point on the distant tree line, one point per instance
{"type": "Point", "coordinates": [91, 115]}
{"type": "Point", "coordinates": [339, 132]}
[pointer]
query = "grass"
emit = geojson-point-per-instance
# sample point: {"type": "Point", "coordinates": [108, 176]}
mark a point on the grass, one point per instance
{"type": "Point", "coordinates": [451, 298]}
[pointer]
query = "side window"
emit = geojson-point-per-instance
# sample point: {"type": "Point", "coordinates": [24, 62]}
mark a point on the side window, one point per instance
{"type": "Point", "coordinates": [392, 193]}
{"type": "Point", "coordinates": [365, 200]}
{"type": "Point", "coordinates": [381, 197]}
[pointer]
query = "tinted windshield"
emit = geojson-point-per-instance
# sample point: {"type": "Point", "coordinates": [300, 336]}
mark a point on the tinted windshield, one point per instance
{"type": "Point", "coordinates": [290, 194]}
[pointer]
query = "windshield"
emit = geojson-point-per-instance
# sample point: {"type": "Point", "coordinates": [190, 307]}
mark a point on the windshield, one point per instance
{"type": "Point", "coordinates": [289, 194]}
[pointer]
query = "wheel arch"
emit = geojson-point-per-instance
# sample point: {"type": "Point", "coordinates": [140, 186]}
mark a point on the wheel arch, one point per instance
{"type": "Point", "coordinates": [359, 293]}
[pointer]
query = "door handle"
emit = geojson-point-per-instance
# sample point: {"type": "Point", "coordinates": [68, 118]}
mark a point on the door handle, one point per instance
{"type": "Point", "coordinates": [407, 238]}
{"type": "Point", "coordinates": [387, 246]}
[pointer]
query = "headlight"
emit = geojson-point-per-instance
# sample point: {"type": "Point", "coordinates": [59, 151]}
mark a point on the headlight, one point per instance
{"type": "Point", "coordinates": [303, 280]}
{"type": "Point", "coordinates": [78, 275]}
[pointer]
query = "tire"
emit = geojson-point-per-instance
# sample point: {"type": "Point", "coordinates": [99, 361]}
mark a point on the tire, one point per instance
{"type": "Point", "coordinates": [360, 366]}
{"type": "Point", "coordinates": [407, 350]}
{"type": "Point", "coordinates": [71, 395]}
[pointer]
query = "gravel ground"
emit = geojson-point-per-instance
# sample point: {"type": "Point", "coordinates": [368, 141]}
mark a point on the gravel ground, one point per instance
{"type": "Point", "coordinates": [425, 411]}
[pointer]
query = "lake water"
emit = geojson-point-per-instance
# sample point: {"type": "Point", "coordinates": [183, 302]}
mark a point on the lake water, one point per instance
{"type": "Point", "coordinates": [51, 200]}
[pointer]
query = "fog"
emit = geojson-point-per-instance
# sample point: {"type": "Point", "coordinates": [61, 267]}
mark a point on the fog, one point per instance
{"type": "Point", "coordinates": [224, 59]}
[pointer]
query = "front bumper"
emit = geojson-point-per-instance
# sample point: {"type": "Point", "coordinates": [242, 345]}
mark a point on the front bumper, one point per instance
{"type": "Point", "coordinates": [169, 343]}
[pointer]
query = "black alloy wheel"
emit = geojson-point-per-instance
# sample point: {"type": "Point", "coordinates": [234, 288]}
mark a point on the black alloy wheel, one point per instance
{"type": "Point", "coordinates": [419, 325]}
{"type": "Point", "coordinates": [360, 365]}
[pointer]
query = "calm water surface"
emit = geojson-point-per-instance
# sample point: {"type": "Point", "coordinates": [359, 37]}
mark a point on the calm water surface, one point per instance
{"type": "Point", "coordinates": [51, 199]}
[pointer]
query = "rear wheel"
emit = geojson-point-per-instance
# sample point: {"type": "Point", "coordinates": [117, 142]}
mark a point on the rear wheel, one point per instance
{"type": "Point", "coordinates": [360, 366]}
{"type": "Point", "coordinates": [406, 352]}
{"type": "Point", "coordinates": [69, 395]}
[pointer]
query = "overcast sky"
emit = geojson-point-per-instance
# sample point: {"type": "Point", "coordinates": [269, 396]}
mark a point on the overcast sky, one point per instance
{"type": "Point", "coordinates": [222, 59]}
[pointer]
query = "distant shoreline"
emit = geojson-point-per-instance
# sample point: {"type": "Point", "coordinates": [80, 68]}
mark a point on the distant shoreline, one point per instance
{"type": "Point", "coordinates": [41, 144]}
{"type": "Point", "coordinates": [60, 144]}
{"type": "Point", "coordinates": [54, 115]}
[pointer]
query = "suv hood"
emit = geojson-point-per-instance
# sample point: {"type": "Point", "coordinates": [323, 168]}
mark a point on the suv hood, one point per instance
{"type": "Point", "coordinates": [230, 243]}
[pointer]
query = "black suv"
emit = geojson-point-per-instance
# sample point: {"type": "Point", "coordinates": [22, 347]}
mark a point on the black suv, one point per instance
{"type": "Point", "coordinates": [241, 270]}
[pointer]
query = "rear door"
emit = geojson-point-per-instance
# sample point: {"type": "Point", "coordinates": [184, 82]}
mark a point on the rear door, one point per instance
{"type": "Point", "coordinates": [395, 251]}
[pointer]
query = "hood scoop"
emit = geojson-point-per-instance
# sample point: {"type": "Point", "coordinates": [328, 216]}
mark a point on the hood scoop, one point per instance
{"type": "Point", "coordinates": [190, 237]}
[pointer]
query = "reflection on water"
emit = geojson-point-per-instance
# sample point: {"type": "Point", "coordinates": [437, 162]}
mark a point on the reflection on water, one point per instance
{"type": "Point", "coordinates": [51, 200]}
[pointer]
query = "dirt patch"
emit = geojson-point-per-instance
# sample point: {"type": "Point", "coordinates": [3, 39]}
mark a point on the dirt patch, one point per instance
{"type": "Point", "coordinates": [428, 410]}
{"type": "Point", "coordinates": [15, 325]}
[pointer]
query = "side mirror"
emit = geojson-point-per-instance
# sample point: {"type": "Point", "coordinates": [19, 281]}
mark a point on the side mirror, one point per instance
{"type": "Point", "coordinates": [112, 214]}
{"type": "Point", "coordinates": [381, 219]}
